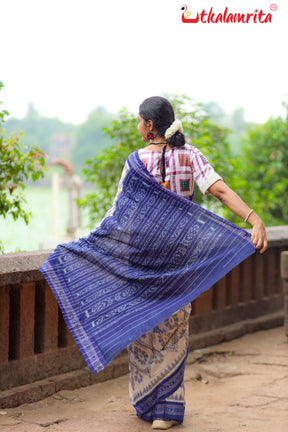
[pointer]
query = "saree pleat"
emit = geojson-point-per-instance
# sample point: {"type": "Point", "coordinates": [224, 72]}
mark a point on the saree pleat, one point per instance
{"type": "Point", "coordinates": [154, 254]}
{"type": "Point", "coordinates": [157, 363]}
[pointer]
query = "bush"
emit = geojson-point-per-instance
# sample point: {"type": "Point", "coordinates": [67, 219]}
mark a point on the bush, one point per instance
{"type": "Point", "coordinates": [17, 165]}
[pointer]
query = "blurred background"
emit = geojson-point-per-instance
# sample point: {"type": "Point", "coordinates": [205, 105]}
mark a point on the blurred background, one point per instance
{"type": "Point", "coordinates": [69, 67]}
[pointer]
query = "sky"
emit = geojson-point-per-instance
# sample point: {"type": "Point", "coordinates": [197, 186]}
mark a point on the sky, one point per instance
{"type": "Point", "coordinates": [68, 57]}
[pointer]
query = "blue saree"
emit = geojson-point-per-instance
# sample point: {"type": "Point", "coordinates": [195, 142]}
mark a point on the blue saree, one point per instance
{"type": "Point", "coordinates": [151, 256]}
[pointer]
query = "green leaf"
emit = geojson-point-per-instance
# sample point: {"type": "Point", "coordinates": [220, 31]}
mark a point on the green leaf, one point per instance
{"type": "Point", "coordinates": [35, 175]}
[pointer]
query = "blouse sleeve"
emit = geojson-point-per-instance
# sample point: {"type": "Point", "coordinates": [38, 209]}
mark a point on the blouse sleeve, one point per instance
{"type": "Point", "coordinates": [203, 173]}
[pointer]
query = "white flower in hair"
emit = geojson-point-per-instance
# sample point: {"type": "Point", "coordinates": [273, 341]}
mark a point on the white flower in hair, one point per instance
{"type": "Point", "coordinates": [175, 127]}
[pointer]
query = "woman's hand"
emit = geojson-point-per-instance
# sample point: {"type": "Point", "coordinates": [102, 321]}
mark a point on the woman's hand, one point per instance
{"type": "Point", "coordinates": [258, 236]}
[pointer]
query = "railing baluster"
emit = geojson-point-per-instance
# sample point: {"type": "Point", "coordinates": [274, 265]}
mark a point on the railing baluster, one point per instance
{"type": "Point", "coordinates": [4, 323]}
{"type": "Point", "coordinates": [22, 321]}
{"type": "Point", "coordinates": [203, 303]}
{"type": "Point", "coordinates": [284, 276]}
{"type": "Point", "coordinates": [259, 277]}
{"type": "Point", "coordinates": [50, 341]}
{"type": "Point", "coordinates": [232, 291]}
{"type": "Point", "coordinates": [278, 281]}
{"type": "Point", "coordinates": [246, 281]}
{"type": "Point", "coordinates": [65, 338]}
{"type": "Point", "coordinates": [219, 294]}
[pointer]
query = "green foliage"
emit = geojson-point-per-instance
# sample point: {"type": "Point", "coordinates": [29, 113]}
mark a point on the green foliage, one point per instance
{"type": "Point", "coordinates": [234, 121]}
{"type": "Point", "coordinates": [258, 174]}
{"type": "Point", "coordinates": [82, 141]}
{"type": "Point", "coordinates": [89, 138]}
{"type": "Point", "coordinates": [104, 170]}
{"type": "Point", "coordinates": [39, 129]}
{"type": "Point", "coordinates": [17, 165]}
{"type": "Point", "coordinates": [261, 172]}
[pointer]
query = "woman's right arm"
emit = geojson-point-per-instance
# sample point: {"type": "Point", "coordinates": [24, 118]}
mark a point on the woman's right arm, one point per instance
{"type": "Point", "coordinates": [231, 200]}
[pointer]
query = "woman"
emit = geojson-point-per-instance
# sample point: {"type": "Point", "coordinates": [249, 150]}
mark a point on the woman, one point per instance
{"type": "Point", "coordinates": [128, 283]}
{"type": "Point", "coordinates": [157, 359]}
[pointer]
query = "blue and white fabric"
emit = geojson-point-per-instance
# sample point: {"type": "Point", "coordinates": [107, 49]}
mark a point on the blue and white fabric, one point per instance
{"type": "Point", "coordinates": [149, 257]}
{"type": "Point", "coordinates": [157, 364]}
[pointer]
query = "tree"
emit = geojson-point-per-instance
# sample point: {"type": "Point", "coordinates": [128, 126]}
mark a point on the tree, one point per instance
{"type": "Point", "coordinates": [90, 138]}
{"type": "Point", "coordinates": [17, 164]}
{"type": "Point", "coordinates": [261, 172]}
{"type": "Point", "coordinates": [216, 113]}
{"type": "Point", "coordinates": [39, 129]}
{"type": "Point", "coordinates": [104, 170]}
{"type": "Point", "coordinates": [238, 122]}
{"type": "Point", "coordinates": [234, 121]}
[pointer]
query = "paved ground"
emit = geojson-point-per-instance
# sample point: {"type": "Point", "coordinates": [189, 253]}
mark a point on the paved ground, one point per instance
{"type": "Point", "coordinates": [237, 386]}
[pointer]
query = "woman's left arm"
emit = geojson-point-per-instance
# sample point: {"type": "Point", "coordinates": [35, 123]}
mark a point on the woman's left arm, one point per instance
{"type": "Point", "coordinates": [231, 200]}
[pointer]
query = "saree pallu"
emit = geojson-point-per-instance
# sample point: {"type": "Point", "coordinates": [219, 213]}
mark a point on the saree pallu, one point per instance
{"type": "Point", "coordinates": [154, 254]}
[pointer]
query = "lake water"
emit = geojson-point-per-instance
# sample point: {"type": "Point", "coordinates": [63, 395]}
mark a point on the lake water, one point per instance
{"type": "Point", "coordinates": [17, 236]}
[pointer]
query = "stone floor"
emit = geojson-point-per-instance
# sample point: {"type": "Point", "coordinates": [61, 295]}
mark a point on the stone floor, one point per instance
{"type": "Point", "coordinates": [237, 386]}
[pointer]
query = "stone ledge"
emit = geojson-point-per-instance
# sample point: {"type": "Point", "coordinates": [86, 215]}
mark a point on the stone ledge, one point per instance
{"type": "Point", "coordinates": [39, 390]}
{"type": "Point", "coordinates": [21, 267]}
{"type": "Point", "coordinates": [277, 235]}
{"type": "Point", "coordinates": [119, 366]}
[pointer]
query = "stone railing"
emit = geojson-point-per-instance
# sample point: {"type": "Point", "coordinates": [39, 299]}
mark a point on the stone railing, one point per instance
{"type": "Point", "coordinates": [35, 344]}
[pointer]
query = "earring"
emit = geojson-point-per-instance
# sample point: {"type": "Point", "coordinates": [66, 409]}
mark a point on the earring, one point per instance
{"type": "Point", "coordinates": [150, 136]}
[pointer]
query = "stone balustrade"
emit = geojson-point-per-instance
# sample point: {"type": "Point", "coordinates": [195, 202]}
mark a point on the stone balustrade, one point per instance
{"type": "Point", "coordinates": [35, 344]}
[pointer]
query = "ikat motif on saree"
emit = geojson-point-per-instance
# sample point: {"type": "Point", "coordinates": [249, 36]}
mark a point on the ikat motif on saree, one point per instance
{"type": "Point", "coordinates": [151, 256]}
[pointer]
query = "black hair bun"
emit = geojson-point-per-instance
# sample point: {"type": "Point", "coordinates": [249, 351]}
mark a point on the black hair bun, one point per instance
{"type": "Point", "coordinates": [176, 140]}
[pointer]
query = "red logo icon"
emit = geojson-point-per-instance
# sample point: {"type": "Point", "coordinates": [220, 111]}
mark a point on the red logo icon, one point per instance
{"type": "Point", "coordinates": [186, 14]}
{"type": "Point", "coordinates": [273, 7]}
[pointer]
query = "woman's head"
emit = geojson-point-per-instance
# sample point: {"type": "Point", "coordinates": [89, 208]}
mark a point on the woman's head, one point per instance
{"type": "Point", "coordinates": [159, 111]}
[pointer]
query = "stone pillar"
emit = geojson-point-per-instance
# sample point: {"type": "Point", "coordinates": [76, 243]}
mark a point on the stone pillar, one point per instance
{"type": "Point", "coordinates": [73, 185]}
{"type": "Point", "coordinates": [284, 275]}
